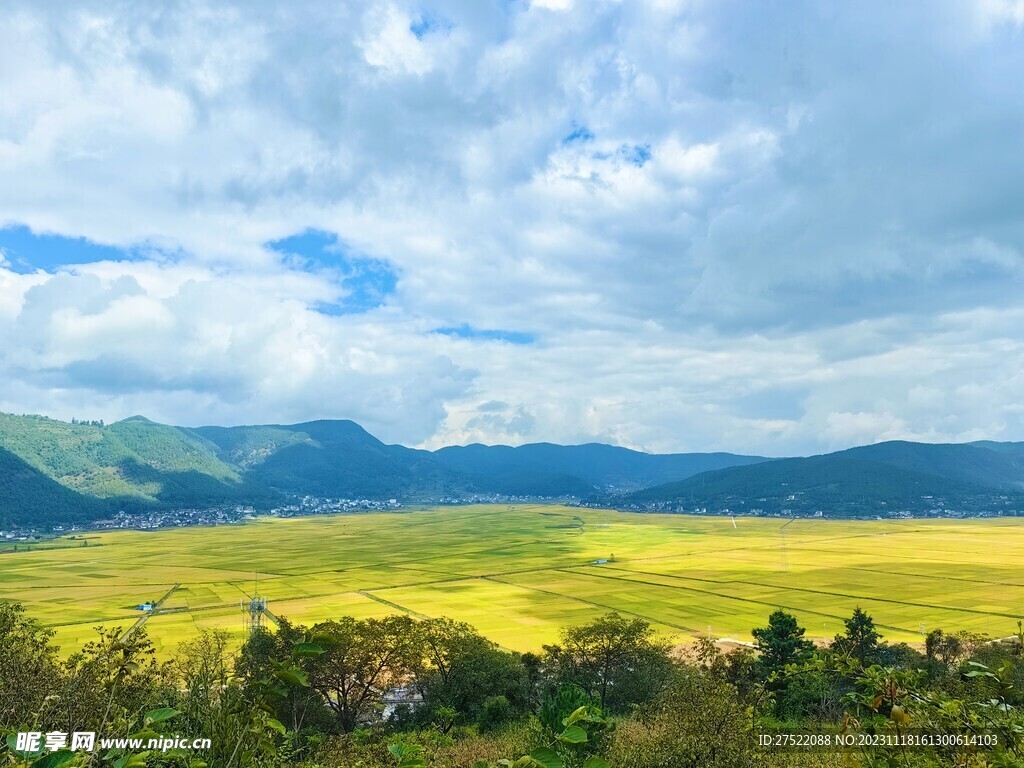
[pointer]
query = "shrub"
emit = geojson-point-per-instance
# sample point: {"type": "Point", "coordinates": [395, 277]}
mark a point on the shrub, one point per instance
{"type": "Point", "coordinates": [699, 722]}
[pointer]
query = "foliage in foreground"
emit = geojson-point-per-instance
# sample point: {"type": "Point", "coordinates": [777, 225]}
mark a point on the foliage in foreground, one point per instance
{"type": "Point", "coordinates": [403, 693]}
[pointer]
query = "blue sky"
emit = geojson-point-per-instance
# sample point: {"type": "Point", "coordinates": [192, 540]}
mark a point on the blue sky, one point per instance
{"type": "Point", "coordinates": [26, 251]}
{"type": "Point", "coordinates": [365, 282]}
{"type": "Point", "coordinates": [668, 225]}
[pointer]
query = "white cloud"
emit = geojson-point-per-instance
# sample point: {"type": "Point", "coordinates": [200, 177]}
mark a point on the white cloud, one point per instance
{"type": "Point", "coordinates": [553, 5]}
{"type": "Point", "coordinates": [724, 231]}
{"type": "Point", "coordinates": [390, 44]}
{"type": "Point", "coordinates": [994, 12]}
{"type": "Point", "coordinates": [215, 347]}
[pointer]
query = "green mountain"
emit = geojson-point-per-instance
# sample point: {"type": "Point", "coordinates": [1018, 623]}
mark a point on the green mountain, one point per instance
{"type": "Point", "coordinates": [1013, 449]}
{"type": "Point", "coordinates": [88, 471]}
{"type": "Point", "coordinates": [340, 458]}
{"type": "Point", "coordinates": [53, 472]}
{"type": "Point", "coordinates": [29, 498]}
{"type": "Point", "coordinates": [334, 459]}
{"type": "Point", "coordinates": [583, 467]}
{"type": "Point", "coordinates": [992, 465]}
{"type": "Point", "coordinates": [870, 480]}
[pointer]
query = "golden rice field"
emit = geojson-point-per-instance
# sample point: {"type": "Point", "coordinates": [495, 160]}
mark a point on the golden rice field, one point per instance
{"type": "Point", "coordinates": [519, 573]}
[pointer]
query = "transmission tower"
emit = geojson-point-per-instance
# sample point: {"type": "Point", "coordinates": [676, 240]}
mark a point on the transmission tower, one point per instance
{"type": "Point", "coordinates": [254, 609]}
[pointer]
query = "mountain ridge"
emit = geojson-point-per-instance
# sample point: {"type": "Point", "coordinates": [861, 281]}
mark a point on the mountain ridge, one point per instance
{"type": "Point", "coordinates": [53, 471]}
{"type": "Point", "coordinates": [883, 478]}
{"type": "Point", "coordinates": [597, 464]}
{"type": "Point", "coordinates": [56, 471]}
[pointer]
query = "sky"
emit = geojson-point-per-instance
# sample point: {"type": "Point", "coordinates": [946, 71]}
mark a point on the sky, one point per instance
{"type": "Point", "coordinates": [777, 228]}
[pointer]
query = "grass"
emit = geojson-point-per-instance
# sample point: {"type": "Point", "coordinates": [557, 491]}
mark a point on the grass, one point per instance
{"type": "Point", "coordinates": [520, 573]}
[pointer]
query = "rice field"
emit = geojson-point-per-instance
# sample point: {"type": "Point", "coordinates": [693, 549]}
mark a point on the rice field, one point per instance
{"type": "Point", "coordinates": [520, 573]}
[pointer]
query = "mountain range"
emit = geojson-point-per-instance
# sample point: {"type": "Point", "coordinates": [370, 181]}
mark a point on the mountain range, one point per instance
{"type": "Point", "coordinates": [54, 472]}
{"type": "Point", "coordinates": [881, 479]}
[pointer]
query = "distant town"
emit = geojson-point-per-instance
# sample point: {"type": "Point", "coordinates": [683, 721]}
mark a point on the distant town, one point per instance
{"type": "Point", "coordinates": [996, 506]}
{"type": "Point", "coordinates": [982, 505]}
{"type": "Point", "coordinates": [233, 514]}
{"type": "Point", "coordinates": [219, 515]}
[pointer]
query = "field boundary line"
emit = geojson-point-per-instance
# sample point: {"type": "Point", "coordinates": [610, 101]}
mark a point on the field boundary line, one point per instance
{"type": "Point", "coordinates": [595, 604]}
{"type": "Point", "coordinates": [445, 556]}
{"type": "Point", "coordinates": [471, 577]}
{"type": "Point", "coordinates": [774, 604]}
{"type": "Point", "coordinates": [92, 622]}
{"type": "Point", "coordinates": [798, 544]}
{"type": "Point", "coordinates": [145, 617]}
{"type": "Point", "coordinates": [718, 595]}
{"type": "Point", "coordinates": [396, 606]}
{"type": "Point", "coordinates": [940, 578]}
{"type": "Point", "coordinates": [146, 558]}
{"type": "Point", "coordinates": [98, 586]}
{"type": "Point", "coordinates": [930, 606]}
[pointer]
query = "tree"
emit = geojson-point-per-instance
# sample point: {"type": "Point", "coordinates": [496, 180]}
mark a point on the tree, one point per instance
{"type": "Point", "coordinates": [935, 644]}
{"type": "Point", "coordinates": [951, 648]}
{"type": "Point", "coordinates": [890, 700]}
{"type": "Point", "coordinates": [202, 668]}
{"type": "Point", "coordinates": [860, 640]}
{"type": "Point", "coordinates": [362, 661]}
{"type": "Point", "coordinates": [782, 642]}
{"type": "Point", "coordinates": [275, 666]}
{"type": "Point", "coordinates": [28, 666]}
{"type": "Point", "coordinates": [212, 703]}
{"type": "Point", "coordinates": [113, 679]}
{"type": "Point", "coordinates": [463, 670]}
{"type": "Point", "coordinates": [619, 660]}
{"type": "Point", "coordinates": [699, 722]}
{"type": "Point", "coordinates": [738, 666]}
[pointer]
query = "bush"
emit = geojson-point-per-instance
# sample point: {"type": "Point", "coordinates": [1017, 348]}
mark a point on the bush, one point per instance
{"type": "Point", "coordinates": [496, 712]}
{"type": "Point", "coordinates": [699, 722]}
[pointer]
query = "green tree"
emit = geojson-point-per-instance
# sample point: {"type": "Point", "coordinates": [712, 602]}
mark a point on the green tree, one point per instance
{"type": "Point", "coordinates": [28, 666]}
{"type": "Point", "coordinates": [698, 722]}
{"type": "Point", "coordinates": [575, 742]}
{"type": "Point", "coordinates": [112, 682]}
{"type": "Point", "coordinates": [951, 648]}
{"type": "Point", "coordinates": [275, 665]}
{"type": "Point", "coordinates": [206, 692]}
{"type": "Point", "coordinates": [860, 641]}
{"type": "Point", "coordinates": [888, 701]}
{"type": "Point", "coordinates": [782, 642]}
{"type": "Point", "coordinates": [619, 660]}
{"type": "Point", "coordinates": [211, 702]}
{"type": "Point", "coordinates": [560, 703]}
{"type": "Point", "coordinates": [462, 670]}
{"type": "Point", "coordinates": [362, 661]}
{"type": "Point", "coordinates": [738, 667]}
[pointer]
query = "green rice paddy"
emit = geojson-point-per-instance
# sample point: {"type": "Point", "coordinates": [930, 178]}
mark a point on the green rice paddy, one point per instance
{"type": "Point", "coordinates": [521, 573]}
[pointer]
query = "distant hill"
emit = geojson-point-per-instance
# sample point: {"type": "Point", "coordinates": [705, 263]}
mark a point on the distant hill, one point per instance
{"type": "Point", "coordinates": [591, 465]}
{"type": "Point", "coordinates": [340, 458]}
{"type": "Point", "coordinates": [53, 472]}
{"type": "Point", "coordinates": [992, 465]}
{"type": "Point", "coordinates": [59, 472]}
{"type": "Point", "coordinates": [333, 459]}
{"type": "Point", "coordinates": [869, 480]}
{"type": "Point", "coordinates": [1016, 449]}
{"type": "Point", "coordinates": [29, 498]}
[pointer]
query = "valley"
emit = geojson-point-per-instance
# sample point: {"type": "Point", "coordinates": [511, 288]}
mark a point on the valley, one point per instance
{"type": "Point", "coordinates": [521, 572]}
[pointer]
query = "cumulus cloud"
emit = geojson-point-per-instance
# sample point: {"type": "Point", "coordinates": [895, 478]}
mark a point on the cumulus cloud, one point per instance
{"type": "Point", "coordinates": [392, 46]}
{"type": "Point", "coordinates": [670, 225]}
{"type": "Point", "coordinates": [201, 347]}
